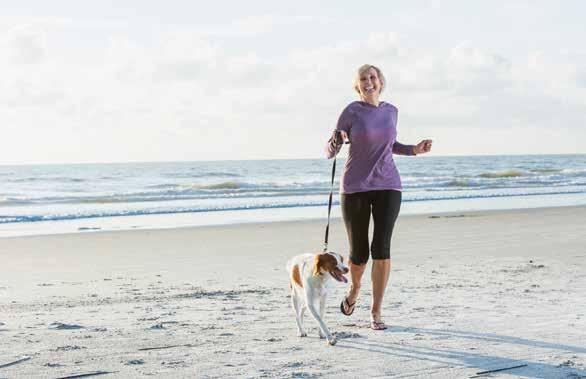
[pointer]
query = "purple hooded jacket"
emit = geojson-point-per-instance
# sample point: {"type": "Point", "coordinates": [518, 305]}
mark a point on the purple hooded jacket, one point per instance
{"type": "Point", "coordinates": [373, 134]}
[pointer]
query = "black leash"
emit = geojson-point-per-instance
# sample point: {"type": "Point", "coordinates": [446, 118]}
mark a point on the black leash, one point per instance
{"type": "Point", "coordinates": [330, 205]}
{"type": "Point", "coordinates": [331, 196]}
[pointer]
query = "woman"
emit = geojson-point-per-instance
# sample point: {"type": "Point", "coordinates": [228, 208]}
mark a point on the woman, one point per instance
{"type": "Point", "coordinates": [370, 184]}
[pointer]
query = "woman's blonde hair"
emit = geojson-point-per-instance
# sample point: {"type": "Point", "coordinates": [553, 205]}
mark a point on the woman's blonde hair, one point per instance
{"type": "Point", "coordinates": [363, 69]}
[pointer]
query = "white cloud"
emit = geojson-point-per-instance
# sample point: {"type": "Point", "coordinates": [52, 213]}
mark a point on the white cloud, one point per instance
{"type": "Point", "coordinates": [257, 25]}
{"type": "Point", "coordinates": [24, 44]}
{"type": "Point", "coordinates": [188, 95]}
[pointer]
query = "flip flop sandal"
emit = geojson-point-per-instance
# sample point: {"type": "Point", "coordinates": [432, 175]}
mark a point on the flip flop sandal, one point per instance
{"type": "Point", "coordinates": [377, 325]}
{"type": "Point", "coordinates": [348, 305]}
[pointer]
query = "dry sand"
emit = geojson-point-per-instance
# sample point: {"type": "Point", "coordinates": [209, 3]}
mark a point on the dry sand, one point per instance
{"type": "Point", "coordinates": [468, 293]}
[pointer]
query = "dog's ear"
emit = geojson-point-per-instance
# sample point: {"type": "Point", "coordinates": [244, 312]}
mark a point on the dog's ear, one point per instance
{"type": "Point", "coordinates": [338, 255]}
{"type": "Point", "coordinates": [318, 262]}
{"type": "Point", "coordinates": [323, 261]}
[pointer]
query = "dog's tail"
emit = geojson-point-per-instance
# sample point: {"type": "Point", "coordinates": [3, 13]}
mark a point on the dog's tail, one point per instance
{"type": "Point", "coordinates": [289, 268]}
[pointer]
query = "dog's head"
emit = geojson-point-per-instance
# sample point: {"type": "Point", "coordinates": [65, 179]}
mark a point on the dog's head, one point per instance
{"type": "Point", "coordinates": [330, 263]}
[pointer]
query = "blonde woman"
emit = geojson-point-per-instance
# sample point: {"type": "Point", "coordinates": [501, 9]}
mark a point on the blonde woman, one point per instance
{"type": "Point", "coordinates": [370, 185]}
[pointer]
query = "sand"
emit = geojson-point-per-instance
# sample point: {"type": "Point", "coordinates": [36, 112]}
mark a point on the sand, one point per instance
{"type": "Point", "coordinates": [469, 292]}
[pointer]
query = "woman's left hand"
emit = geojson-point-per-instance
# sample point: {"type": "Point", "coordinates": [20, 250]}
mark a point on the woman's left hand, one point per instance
{"type": "Point", "coordinates": [423, 147]}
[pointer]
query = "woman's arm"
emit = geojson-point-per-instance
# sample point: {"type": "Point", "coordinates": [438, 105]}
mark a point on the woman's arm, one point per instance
{"type": "Point", "coordinates": [400, 149]}
{"type": "Point", "coordinates": [421, 148]}
{"type": "Point", "coordinates": [331, 147]}
{"type": "Point", "coordinates": [343, 127]}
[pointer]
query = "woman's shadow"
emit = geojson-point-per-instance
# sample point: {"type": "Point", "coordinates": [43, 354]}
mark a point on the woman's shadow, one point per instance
{"type": "Point", "coordinates": [454, 358]}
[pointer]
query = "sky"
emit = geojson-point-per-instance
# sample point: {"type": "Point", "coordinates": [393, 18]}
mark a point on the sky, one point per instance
{"type": "Point", "coordinates": [132, 81]}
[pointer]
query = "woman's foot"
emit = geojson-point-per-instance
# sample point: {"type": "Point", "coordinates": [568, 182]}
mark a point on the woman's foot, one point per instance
{"type": "Point", "coordinates": [346, 307]}
{"type": "Point", "coordinates": [349, 302]}
{"type": "Point", "coordinates": [376, 323]}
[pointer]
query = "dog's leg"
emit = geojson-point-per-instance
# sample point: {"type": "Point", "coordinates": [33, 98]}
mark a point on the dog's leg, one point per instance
{"type": "Point", "coordinates": [322, 308]}
{"type": "Point", "coordinates": [310, 299]}
{"type": "Point", "coordinates": [296, 301]}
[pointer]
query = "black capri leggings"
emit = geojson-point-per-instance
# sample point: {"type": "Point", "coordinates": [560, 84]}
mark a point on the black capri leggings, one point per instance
{"type": "Point", "coordinates": [356, 210]}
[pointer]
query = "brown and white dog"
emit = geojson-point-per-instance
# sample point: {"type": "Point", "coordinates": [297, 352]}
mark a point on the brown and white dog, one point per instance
{"type": "Point", "coordinates": [309, 276]}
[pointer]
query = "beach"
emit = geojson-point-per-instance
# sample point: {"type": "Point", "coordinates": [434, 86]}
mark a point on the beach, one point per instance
{"type": "Point", "coordinates": [469, 292]}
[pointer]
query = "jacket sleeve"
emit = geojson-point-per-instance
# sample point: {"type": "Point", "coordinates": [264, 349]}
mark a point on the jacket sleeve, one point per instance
{"type": "Point", "coordinates": [400, 149]}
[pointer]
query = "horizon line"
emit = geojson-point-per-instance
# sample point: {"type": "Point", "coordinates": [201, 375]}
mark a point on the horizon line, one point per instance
{"type": "Point", "coordinates": [267, 159]}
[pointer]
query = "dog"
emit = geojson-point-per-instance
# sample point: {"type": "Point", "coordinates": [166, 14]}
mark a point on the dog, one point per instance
{"type": "Point", "coordinates": [309, 275]}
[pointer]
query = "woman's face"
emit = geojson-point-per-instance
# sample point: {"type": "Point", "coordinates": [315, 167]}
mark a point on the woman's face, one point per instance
{"type": "Point", "coordinates": [370, 84]}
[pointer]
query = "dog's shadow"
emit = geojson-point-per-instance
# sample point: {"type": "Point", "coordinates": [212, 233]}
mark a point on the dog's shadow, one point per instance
{"type": "Point", "coordinates": [451, 358]}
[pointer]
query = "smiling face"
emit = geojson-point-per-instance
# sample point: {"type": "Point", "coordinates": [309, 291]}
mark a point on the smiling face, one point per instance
{"type": "Point", "coordinates": [332, 264]}
{"type": "Point", "coordinates": [369, 83]}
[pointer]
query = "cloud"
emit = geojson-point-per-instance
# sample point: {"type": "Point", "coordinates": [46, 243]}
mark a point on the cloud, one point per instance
{"type": "Point", "coordinates": [25, 44]}
{"type": "Point", "coordinates": [257, 25]}
{"type": "Point", "coordinates": [197, 98]}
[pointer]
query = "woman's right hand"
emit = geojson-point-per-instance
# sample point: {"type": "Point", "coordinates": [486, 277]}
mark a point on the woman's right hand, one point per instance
{"type": "Point", "coordinates": [343, 134]}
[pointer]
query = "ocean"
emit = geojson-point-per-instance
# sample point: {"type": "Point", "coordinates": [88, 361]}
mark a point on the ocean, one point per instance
{"type": "Point", "coordinates": [47, 199]}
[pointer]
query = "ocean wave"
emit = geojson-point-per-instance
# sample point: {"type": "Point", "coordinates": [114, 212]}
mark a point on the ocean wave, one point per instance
{"type": "Point", "coordinates": [217, 186]}
{"type": "Point", "coordinates": [502, 174]}
{"type": "Point", "coordinates": [241, 190]}
{"type": "Point", "coordinates": [6, 219]}
{"type": "Point", "coordinates": [481, 183]}
{"type": "Point", "coordinates": [172, 195]}
{"type": "Point", "coordinates": [547, 170]}
{"type": "Point", "coordinates": [9, 201]}
{"type": "Point", "coordinates": [457, 195]}
{"type": "Point", "coordinates": [162, 186]}
{"type": "Point", "coordinates": [460, 183]}
{"type": "Point", "coordinates": [409, 197]}
{"type": "Point", "coordinates": [541, 172]}
{"type": "Point", "coordinates": [232, 186]}
{"type": "Point", "coordinates": [34, 179]}
{"type": "Point", "coordinates": [574, 172]}
{"type": "Point", "coordinates": [219, 174]}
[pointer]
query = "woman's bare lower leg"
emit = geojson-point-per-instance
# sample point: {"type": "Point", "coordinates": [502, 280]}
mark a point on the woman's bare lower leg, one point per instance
{"type": "Point", "coordinates": [356, 272]}
{"type": "Point", "coordinates": [381, 269]}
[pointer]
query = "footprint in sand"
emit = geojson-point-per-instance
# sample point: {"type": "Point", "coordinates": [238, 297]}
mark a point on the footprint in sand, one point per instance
{"type": "Point", "coordinates": [69, 348]}
{"type": "Point", "coordinates": [62, 326]}
{"type": "Point", "coordinates": [135, 362]}
{"type": "Point", "coordinates": [49, 364]}
{"type": "Point", "coordinates": [342, 335]}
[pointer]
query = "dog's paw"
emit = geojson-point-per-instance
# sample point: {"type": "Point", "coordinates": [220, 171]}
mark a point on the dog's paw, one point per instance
{"type": "Point", "coordinates": [332, 341]}
{"type": "Point", "coordinates": [301, 334]}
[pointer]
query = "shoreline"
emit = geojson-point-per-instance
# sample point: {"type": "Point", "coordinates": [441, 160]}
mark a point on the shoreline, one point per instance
{"type": "Point", "coordinates": [316, 220]}
{"type": "Point", "coordinates": [215, 219]}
